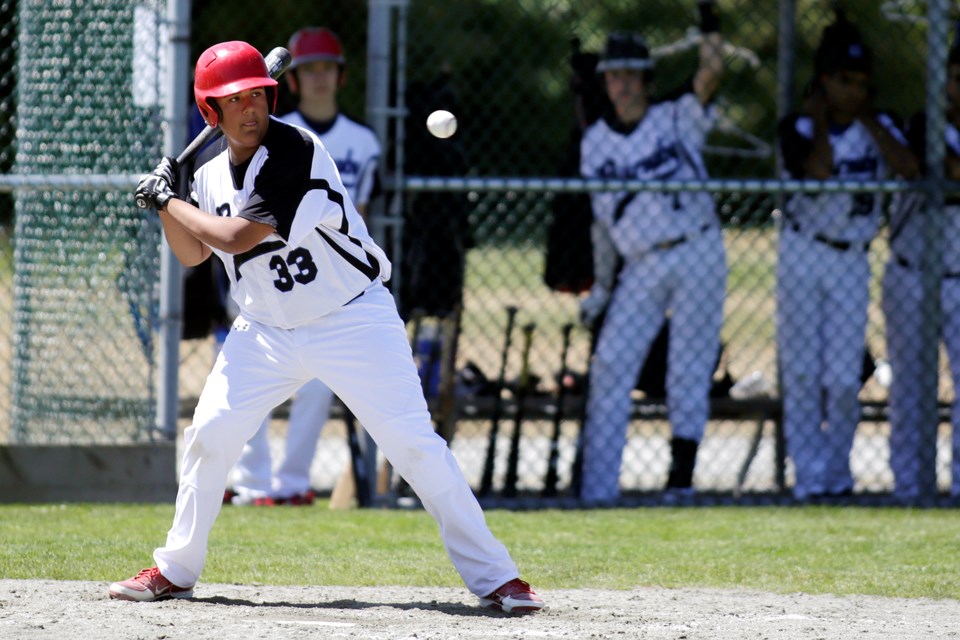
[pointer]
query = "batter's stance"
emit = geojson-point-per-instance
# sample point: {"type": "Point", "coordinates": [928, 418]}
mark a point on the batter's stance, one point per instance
{"type": "Point", "coordinates": [822, 270]}
{"type": "Point", "coordinates": [308, 280]}
{"type": "Point", "coordinates": [673, 259]}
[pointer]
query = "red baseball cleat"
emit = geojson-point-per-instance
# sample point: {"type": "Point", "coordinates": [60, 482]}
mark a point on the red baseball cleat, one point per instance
{"type": "Point", "coordinates": [515, 596]}
{"type": "Point", "coordinates": [148, 586]}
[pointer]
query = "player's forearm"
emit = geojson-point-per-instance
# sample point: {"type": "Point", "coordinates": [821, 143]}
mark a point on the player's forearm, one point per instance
{"type": "Point", "coordinates": [707, 80]}
{"type": "Point", "coordinates": [710, 72]}
{"type": "Point", "coordinates": [188, 250]}
{"type": "Point", "coordinates": [898, 156]}
{"type": "Point", "coordinates": [819, 163]}
{"type": "Point", "coordinates": [231, 235]}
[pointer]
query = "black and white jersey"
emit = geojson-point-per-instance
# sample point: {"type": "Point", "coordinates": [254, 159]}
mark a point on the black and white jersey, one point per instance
{"type": "Point", "coordinates": [847, 217]}
{"type": "Point", "coordinates": [354, 148]}
{"type": "Point", "coordinates": [665, 145]}
{"type": "Point", "coordinates": [908, 222]}
{"type": "Point", "coordinates": [320, 256]}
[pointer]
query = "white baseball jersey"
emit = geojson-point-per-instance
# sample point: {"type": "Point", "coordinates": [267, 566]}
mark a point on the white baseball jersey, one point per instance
{"type": "Point", "coordinates": [354, 147]}
{"type": "Point", "coordinates": [907, 224]}
{"type": "Point", "coordinates": [665, 145]}
{"type": "Point", "coordinates": [842, 217]}
{"type": "Point", "coordinates": [321, 255]}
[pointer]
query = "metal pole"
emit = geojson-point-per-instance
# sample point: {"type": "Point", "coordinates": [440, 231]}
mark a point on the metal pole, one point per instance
{"type": "Point", "coordinates": [378, 99]}
{"type": "Point", "coordinates": [171, 272]}
{"type": "Point", "coordinates": [786, 63]}
{"type": "Point", "coordinates": [937, 46]}
{"type": "Point", "coordinates": [378, 115]}
{"type": "Point", "coordinates": [786, 75]}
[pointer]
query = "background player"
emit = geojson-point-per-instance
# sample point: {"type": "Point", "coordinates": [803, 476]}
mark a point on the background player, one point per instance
{"type": "Point", "coordinates": [669, 252]}
{"type": "Point", "coordinates": [317, 72]}
{"type": "Point", "coordinates": [309, 283]}
{"type": "Point", "coordinates": [822, 271]}
{"type": "Point", "coordinates": [913, 443]}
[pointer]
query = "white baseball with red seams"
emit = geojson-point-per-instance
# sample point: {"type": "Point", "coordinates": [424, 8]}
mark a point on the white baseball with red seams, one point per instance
{"type": "Point", "coordinates": [442, 124]}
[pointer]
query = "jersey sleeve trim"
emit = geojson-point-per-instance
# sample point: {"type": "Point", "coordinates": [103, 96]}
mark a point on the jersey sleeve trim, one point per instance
{"type": "Point", "coordinates": [261, 249]}
{"type": "Point", "coordinates": [371, 269]}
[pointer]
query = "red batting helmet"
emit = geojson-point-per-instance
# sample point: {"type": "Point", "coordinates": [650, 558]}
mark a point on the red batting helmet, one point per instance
{"type": "Point", "coordinates": [228, 68]}
{"type": "Point", "coordinates": [315, 43]}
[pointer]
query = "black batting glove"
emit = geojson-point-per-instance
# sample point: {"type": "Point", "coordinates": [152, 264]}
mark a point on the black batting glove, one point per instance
{"type": "Point", "coordinates": [169, 170]}
{"type": "Point", "coordinates": [153, 192]}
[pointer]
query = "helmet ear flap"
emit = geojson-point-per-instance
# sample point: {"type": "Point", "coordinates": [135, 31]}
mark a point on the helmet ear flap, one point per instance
{"type": "Point", "coordinates": [272, 98]}
{"type": "Point", "coordinates": [211, 111]}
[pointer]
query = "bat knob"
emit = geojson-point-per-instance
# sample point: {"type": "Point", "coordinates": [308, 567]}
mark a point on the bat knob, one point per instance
{"type": "Point", "coordinates": [142, 202]}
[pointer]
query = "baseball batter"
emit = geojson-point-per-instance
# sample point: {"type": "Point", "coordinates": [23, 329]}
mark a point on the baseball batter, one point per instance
{"type": "Point", "coordinates": [317, 71]}
{"type": "Point", "coordinates": [823, 272]}
{"type": "Point", "coordinates": [308, 280]}
{"type": "Point", "coordinates": [913, 443]}
{"type": "Point", "coordinates": [672, 253]}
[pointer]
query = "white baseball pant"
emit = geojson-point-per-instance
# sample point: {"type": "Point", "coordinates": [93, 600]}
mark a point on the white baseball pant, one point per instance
{"type": "Point", "coordinates": [822, 297]}
{"type": "Point", "coordinates": [361, 352]}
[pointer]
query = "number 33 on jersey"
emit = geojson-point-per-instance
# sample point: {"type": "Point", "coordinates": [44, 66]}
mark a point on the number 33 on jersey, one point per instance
{"type": "Point", "coordinates": [320, 256]}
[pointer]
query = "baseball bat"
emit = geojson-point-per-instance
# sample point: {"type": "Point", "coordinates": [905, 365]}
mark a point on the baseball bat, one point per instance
{"type": "Point", "coordinates": [446, 417]}
{"type": "Point", "coordinates": [361, 478]}
{"type": "Point", "coordinates": [486, 482]}
{"type": "Point", "coordinates": [523, 383]}
{"type": "Point", "coordinates": [278, 60]}
{"type": "Point", "coordinates": [551, 478]}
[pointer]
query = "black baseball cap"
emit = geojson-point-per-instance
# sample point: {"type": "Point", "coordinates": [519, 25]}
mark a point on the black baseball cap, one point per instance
{"type": "Point", "coordinates": [625, 50]}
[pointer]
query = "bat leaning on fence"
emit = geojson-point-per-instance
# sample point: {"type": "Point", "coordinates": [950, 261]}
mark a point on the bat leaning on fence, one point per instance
{"type": "Point", "coordinates": [576, 473]}
{"type": "Point", "coordinates": [445, 412]}
{"type": "Point", "coordinates": [486, 482]}
{"type": "Point", "coordinates": [523, 385]}
{"type": "Point", "coordinates": [551, 478]}
{"type": "Point", "coordinates": [361, 478]}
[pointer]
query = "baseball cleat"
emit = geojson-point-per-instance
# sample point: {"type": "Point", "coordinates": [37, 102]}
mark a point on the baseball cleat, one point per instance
{"type": "Point", "coordinates": [148, 586]}
{"type": "Point", "coordinates": [515, 596]}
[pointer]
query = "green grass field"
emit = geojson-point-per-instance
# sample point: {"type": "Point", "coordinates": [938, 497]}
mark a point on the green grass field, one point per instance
{"type": "Point", "coordinates": [886, 552]}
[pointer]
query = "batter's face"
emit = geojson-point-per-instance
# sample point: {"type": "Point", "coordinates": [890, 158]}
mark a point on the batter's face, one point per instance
{"type": "Point", "coordinates": [847, 93]}
{"type": "Point", "coordinates": [246, 116]}
{"type": "Point", "coordinates": [318, 80]}
{"type": "Point", "coordinates": [627, 93]}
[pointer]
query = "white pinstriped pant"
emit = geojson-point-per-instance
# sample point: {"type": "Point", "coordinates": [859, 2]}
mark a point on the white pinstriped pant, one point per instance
{"type": "Point", "coordinates": [689, 282]}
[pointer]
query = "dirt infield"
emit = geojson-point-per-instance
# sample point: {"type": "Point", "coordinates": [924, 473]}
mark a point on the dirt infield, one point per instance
{"type": "Point", "coordinates": [31, 609]}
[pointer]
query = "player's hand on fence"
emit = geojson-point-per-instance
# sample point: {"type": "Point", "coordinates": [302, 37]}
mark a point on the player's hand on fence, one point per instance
{"type": "Point", "coordinates": [153, 192]}
{"type": "Point", "coordinates": [593, 304]}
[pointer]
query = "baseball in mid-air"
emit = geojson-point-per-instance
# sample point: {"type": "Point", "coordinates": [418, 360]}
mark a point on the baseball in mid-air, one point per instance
{"type": "Point", "coordinates": [442, 124]}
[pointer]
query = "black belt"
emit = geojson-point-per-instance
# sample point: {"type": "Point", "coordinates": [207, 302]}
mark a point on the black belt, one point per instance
{"type": "Point", "coordinates": [839, 245]}
{"type": "Point", "coordinates": [906, 264]}
{"type": "Point", "coordinates": [676, 242]}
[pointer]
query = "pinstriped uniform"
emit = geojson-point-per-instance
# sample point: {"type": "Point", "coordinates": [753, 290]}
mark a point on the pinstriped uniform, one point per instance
{"type": "Point", "coordinates": [673, 263]}
{"type": "Point", "coordinates": [823, 275]}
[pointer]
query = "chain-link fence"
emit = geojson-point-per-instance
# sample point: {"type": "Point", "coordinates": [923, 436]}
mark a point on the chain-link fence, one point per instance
{"type": "Point", "coordinates": [699, 213]}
